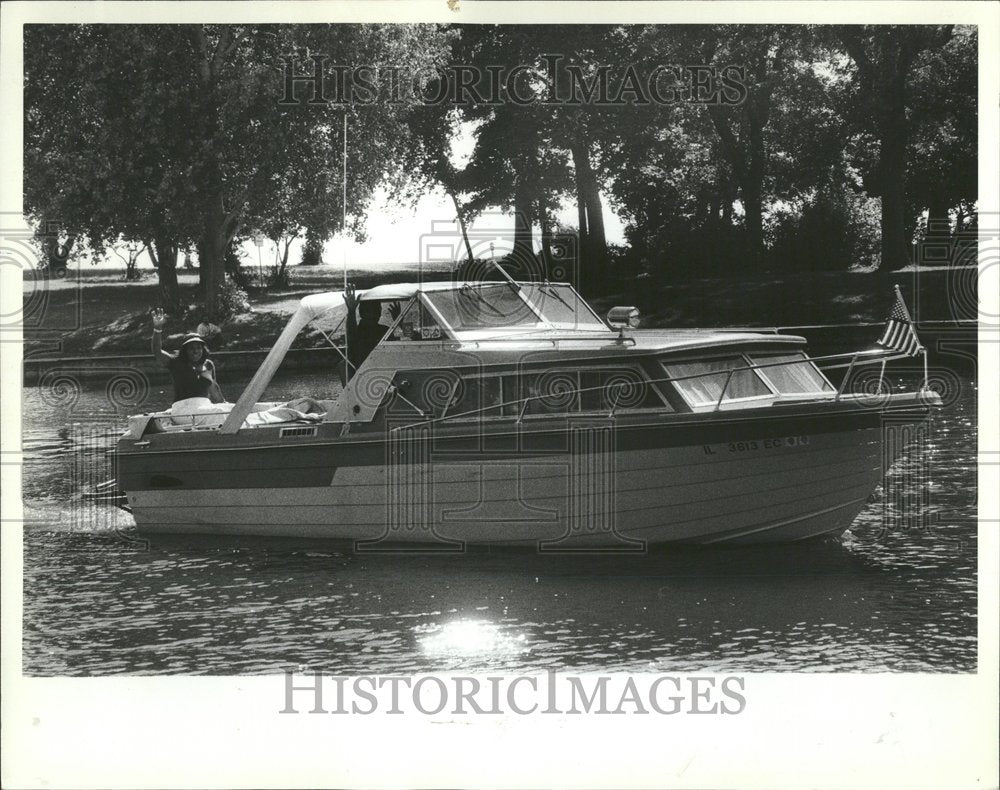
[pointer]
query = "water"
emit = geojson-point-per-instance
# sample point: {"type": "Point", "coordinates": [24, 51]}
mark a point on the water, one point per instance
{"type": "Point", "coordinates": [893, 594]}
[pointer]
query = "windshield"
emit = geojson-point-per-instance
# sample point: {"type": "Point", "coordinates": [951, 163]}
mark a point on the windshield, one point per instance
{"type": "Point", "coordinates": [562, 307]}
{"type": "Point", "coordinates": [498, 305]}
{"type": "Point", "coordinates": [483, 306]}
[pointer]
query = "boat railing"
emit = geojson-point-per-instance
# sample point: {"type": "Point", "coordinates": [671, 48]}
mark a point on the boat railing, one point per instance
{"type": "Point", "coordinates": [856, 358]}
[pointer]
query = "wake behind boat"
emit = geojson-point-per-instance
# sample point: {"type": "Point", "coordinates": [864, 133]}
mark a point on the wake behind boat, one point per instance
{"type": "Point", "coordinates": [509, 413]}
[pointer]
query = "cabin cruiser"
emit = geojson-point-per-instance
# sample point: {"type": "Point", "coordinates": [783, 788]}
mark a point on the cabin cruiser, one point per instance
{"type": "Point", "coordinates": [510, 413]}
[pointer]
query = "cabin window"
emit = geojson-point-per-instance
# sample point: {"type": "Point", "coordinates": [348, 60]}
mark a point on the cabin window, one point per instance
{"type": "Point", "coordinates": [701, 385]}
{"type": "Point", "coordinates": [551, 392]}
{"type": "Point", "coordinates": [559, 391]}
{"type": "Point", "coordinates": [447, 393]}
{"type": "Point", "coordinates": [481, 395]}
{"type": "Point", "coordinates": [425, 392]}
{"type": "Point", "coordinates": [618, 388]}
{"type": "Point", "coordinates": [483, 307]}
{"type": "Point", "coordinates": [794, 376]}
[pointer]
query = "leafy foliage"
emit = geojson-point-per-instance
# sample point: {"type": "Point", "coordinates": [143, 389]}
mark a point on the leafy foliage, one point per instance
{"type": "Point", "coordinates": [177, 133]}
{"type": "Point", "coordinates": [173, 137]}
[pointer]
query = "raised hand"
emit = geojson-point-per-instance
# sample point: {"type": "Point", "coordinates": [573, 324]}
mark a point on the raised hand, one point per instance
{"type": "Point", "coordinates": [350, 298]}
{"type": "Point", "coordinates": [394, 310]}
{"type": "Point", "coordinates": [159, 319]}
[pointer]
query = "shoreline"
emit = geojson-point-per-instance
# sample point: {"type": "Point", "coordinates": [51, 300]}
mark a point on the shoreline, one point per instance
{"type": "Point", "coordinates": [97, 326]}
{"type": "Point", "coordinates": [39, 370]}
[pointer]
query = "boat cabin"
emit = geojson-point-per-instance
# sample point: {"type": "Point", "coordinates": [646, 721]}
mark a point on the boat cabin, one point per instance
{"type": "Point", "coordinates": [490, 351]}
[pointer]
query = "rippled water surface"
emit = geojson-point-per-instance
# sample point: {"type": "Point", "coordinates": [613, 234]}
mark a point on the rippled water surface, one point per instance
{"type": "Point", "coordinates": [897, 593]}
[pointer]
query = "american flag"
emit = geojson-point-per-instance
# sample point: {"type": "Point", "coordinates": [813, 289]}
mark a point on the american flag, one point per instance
{"type": "Point", "coordinates": [899, 334]}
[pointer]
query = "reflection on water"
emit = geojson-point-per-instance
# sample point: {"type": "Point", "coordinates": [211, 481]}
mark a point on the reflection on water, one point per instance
{"type": "Point", "coordinates": [891, 595]}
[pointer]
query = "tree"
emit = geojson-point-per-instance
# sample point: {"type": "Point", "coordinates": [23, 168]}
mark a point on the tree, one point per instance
{"type": "Point", "coordinates": [218, 147]}
{"type": "Point", "coordinates": [941, 169]}
{"type": "Point", "coordinates": [677, 169]}
{"type": "Point", "coordinates": [521, 160]}
{"type": "Point", "coordinates": [746, 140]}
{"type": "Point", "coordinates": [884, 57]}
{"type": "Point", "coordinates": [129, 253]}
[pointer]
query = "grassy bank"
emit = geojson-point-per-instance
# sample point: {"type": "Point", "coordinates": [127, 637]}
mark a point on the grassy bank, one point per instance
{"type": "Point", "coordinates": [101, 314]}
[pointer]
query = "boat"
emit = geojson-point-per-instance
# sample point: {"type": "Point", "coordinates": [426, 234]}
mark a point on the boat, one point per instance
{"type": "Point", "coordinates": [510, 413]}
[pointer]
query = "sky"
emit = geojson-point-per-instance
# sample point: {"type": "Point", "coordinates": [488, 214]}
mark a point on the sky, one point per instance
{"type": "Point", "coordinates": [398, 235]}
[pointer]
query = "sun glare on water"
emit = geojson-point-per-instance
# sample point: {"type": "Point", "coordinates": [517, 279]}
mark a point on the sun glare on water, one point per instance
{"type": "Point", "coordinates": [469, 639]}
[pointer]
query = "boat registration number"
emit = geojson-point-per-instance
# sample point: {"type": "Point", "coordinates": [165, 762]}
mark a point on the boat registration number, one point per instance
{"type": "Point", "coordinates": [757, 444]}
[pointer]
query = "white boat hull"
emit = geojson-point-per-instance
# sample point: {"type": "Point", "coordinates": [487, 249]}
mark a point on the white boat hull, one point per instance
{"type": "Point", "coordinates": [593, 495]}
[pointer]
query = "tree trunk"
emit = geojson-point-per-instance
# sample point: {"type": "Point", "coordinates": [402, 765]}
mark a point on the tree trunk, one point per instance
{"type": "Point", "coordinates": [752, 190]}
{"type": "Point", "coordinates": [211, 254]}
{"type": "Point", "coordinates": [596, 251]}
{"type": "Point", "coordinates": [583, 241]}
{"type": "Point", "coordinates": [284, 256]}
{"type": "Point", "coordinates": [233, 265]}
{"type": "Point", "coordinates": [546, 228]}
{"type": "Point", "coordinates": [960, 221]}
{"type": "Point", "coordinates": [523, 251]}
{"type": "Point", "coordinates": [581, 213]}
{"type": "Point", "coordinates": [460, 215]}
{"type": "Point", "coordinates": [753, 211]}
{"type": "Point", "coordinates": [938, 219]}
{"type": "Point", "coordinates": [164, 254]}
{"type": "Point", "coordinates": [892, 172]}
{"type": "Point", "coordinates": [713, 209]}
{"type": "Point", "coordinates": [215, 230]}
{"type": "Point", "coordinates": [56, 254]}
{"type": "Point", "coordinates": [727, 211]}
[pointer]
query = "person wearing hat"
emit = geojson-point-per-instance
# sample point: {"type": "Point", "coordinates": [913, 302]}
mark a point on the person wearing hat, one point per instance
{"type": "Point", "coordinates": [191, 369]}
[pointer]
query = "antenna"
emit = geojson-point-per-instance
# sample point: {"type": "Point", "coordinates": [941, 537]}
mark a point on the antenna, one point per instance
{"type": "Point", "coordinates": [343, 227]}
{"type": "Point", "coordinates": [343, 200]}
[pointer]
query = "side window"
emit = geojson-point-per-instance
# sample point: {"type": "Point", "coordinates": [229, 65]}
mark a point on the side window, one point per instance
{"type": "Point", "coordinates": [445, 393]}
{"type": "Point", "coordinates": [551, 391]}
{"type": "Point", "coordinates": [423, 392]}
{"type": "Point", "coordinates": [618, 388]}
{"type": "Point", "coordinates": [703, 383]}
{"type": "Point", "coordinates": [559, 391]}
{"type": "Point", "coordinates": [791, 374]}
{"type": "Point", "coordinates": [479, 396]}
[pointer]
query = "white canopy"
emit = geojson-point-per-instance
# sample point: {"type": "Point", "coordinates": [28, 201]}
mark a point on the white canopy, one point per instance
{"type": "Point", "coordinates": [330, 304]}
{"type": "Point", "coordinates": [318, 304]}
{"type": "Point", "coordinates": [310, 307]}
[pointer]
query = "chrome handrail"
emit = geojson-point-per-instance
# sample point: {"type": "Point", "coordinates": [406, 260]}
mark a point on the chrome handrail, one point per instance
{"type": "Point", "coordinates": [847, 375]}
